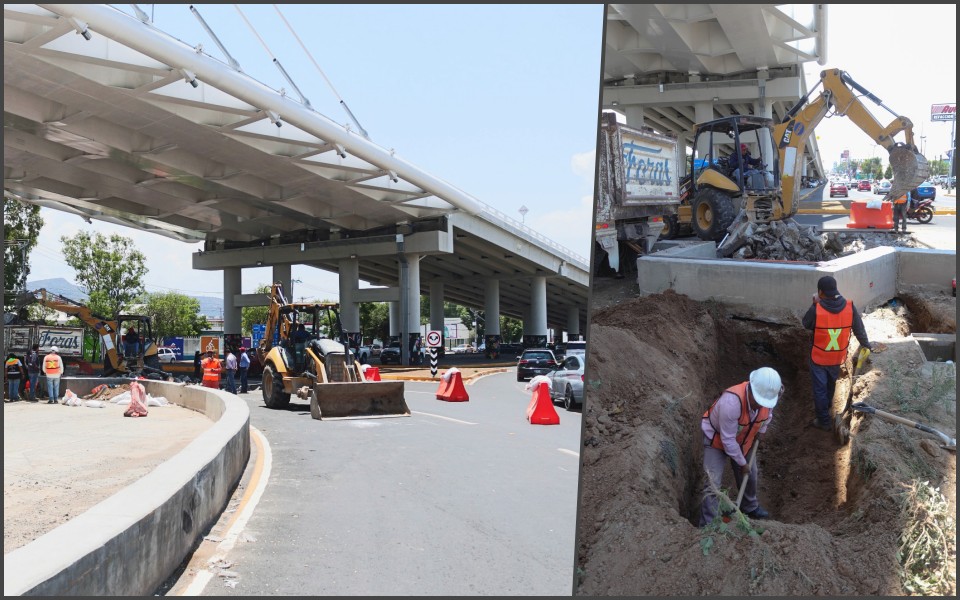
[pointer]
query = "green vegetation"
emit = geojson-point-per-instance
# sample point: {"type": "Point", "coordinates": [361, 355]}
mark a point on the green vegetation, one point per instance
{"type": "Point", "coordinates": [927, 542]}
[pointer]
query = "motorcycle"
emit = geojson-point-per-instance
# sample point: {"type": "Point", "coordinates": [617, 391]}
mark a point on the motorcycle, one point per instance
{"type": "Point", "coordinates": [921, 211]}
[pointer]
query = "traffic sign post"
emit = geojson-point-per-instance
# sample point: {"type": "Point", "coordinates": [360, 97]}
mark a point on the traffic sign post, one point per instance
{"type": "Point", "coordinates": [433, 362]}
{"type": "Point", "coordinates": [434, 339]}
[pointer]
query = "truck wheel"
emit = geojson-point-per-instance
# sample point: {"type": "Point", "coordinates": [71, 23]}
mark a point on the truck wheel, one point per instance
{"type": "Point", "coordinates": [272, 389]}
{"type": "Point", "coordinates": [713, 213]}
{"type": "Point", "coordinates": [670, 228]}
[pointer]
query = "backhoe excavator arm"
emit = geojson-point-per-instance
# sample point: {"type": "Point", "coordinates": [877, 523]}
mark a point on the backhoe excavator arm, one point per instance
{"type": "Point", "coordinates": [105, 328]}
{"type": "Point", "coordinates": [910, 168]}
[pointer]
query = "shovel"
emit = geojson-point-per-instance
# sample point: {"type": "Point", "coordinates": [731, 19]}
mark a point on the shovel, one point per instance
{"type": "Point", "coordinates": [841, 422]}
{"type": "Point", "coordinates": [949, 443]}
{"type": "Point", "coordinates": [743, 483]}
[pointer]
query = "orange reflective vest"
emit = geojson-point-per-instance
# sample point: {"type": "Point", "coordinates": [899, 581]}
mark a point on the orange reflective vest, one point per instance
{"type": "Point", "coordinates": [747, 427]}
{"type": "Point", "coordinates": [901, 200]}
{"type": "Point", "coordinates": [211, 372]}
{"type": "Point", "coordinates": [832, 336]}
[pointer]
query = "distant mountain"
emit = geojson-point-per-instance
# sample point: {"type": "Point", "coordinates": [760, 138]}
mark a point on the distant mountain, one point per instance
{"type": "Point", "coordinates": [210, 306]}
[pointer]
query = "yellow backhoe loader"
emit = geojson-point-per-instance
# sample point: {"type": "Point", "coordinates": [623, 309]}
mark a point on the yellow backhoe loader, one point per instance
{"type": "Point", "coordinates": [145, 361]}
{"type": "Point", "coordinates": [301, 356]}
{"type": "Point", "coordinates": [722, 203]}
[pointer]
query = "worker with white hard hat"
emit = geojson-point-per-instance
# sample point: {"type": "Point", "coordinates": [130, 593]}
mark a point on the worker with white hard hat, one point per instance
{"type": "Point", "coordinates": [732, 427]}
{"type": "Point", "coordinates": [53, 370]}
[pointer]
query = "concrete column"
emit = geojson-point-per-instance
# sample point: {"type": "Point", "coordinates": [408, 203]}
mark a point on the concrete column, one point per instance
{"type": "Point", "coordinates": [349, 284]}
{"type": "Point", "coordinates": [634, 115]}
{"type": "Point", "coordinates": [491, 307]}
{"type": "Point", "coordinates": [410, 293]}
{"type": "Point", "coordinates": [281, 274]}
{"type": "Point", "coordinates": [231, 313]}
{"type": "Point", "coordinates": [703, 111]}
{"type": "Point", "coordinates": [537, 335]}
{"type": "Point", "coordinates": [436, 306]}
{"type": "Point", "coordinates": [764, 108]}
{"type": "Point", "coordinates": [573, 323]}
{"type": "Point", "coordinates": [394, 319]}
{"type": "Point", "coordinates": [349, 279]}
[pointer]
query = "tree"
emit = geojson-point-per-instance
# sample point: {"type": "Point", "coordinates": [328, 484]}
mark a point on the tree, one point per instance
{"type": "Point", "coordinates": [511, 330]}
{"type": "Point", "coordinates": [21, 227]}
{"type": "Point", "coordinates": [255, 315]}
{"type": "Point", "coordinates": [174, 314]}
{"type": "Point", "coordinates": [110, 270]}
{"type": "Point", "coordinates": [375, 321]}
{"type": "Point", "coordinates": [888, 173]}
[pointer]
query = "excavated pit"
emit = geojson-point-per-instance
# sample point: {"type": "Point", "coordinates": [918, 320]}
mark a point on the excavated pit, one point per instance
{"type": "Point", "coordinates": [656, 363]}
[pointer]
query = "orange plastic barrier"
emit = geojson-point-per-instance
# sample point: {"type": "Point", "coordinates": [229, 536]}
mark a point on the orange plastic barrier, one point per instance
{"type": "Point", "coordinates": [442, 388]}
{"type": "Point", "coordinates": [454, 390]}
{"type": "Point", "coordinates": [372, 374]}
{"type": "Point", "coordinates": [541, 410]}
{"type": "Point", "coordinates": [862, 217]}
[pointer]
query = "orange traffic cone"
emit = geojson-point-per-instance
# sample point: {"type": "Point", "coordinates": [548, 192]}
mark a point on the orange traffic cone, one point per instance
{"type": "Point", "coordinates": [541, 410]}
{"type": "Point", "coordinates": [455, 392]}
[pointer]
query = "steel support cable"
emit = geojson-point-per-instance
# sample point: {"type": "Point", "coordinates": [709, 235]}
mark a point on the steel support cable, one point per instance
{"type": "Point", "coordinates": [343, 103]}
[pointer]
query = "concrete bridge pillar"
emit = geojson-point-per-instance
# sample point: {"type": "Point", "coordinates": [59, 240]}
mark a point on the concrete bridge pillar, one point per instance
{"type": "Point", "coordinates": [703, 111]}
{"type": "Point", "coordinates": [349, 279]}
{"type": "Point", "coordinates": [231, 313]}
{"type": "Point", "coordinates": [410, 300]}
{"type": "Point", "coordinates": [436, 309]}
{"type": "Point", "coordinates": [491, 317]}
{"type": "Point", "coordinates": [634, 115]}
{"type": "Point", "coordinates": [536, 336]}
{"type": "Point", "coordinates": [394, 308]}
{"type": "Point", "coordinates": [764, 108]}
{"type": "Point", "coordinates": [281, 275]}
{"type": "Point", "coordinates": [573, 323]}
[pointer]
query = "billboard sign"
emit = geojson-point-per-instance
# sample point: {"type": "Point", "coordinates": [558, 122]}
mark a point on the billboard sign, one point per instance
{"type": "Point", "coordinates": [19, 339]}
{"type": "Point", "coordinates": [68, 340]}
{"type": "Point", "coordinates": [176, 344]}
{"type": "Point", "coordinates": [943, 112]}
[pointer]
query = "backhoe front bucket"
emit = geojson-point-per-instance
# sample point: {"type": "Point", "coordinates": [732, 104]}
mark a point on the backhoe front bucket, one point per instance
{"type": "Point", "coordinates": [910, 169]}
{"type": "Point", "coordinates": [361, 400]}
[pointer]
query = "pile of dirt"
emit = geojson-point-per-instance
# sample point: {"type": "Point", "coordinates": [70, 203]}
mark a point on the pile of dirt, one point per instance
{"type": "Point", "coordinates": [656, 363]}
{"type": "Point", "coordinates": [787, 240]}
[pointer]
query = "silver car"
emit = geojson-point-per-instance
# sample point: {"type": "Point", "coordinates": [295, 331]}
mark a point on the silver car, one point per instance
{"type": "Point", "coordinates": [566, 382]}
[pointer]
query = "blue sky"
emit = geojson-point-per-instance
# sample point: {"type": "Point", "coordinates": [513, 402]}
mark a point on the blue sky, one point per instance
{"type": "Point", "coordinates": [904, 54]}
{"type": "Point", "coordinates": [500, 101]}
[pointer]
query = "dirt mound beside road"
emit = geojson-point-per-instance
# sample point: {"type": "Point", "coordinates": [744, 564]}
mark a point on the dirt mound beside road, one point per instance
{"type": "Point", "coordinates": [655, 364]}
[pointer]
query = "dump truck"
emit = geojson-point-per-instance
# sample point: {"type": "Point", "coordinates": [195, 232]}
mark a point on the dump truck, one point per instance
{"type": "Point", "coordinates": [313, 361]}
{"type": "Point", "coordinates": [144, 362]}
{"type": "Point", "coordinates": [638, 186]}
{"type": "Point", "coordinates": [724, 203]}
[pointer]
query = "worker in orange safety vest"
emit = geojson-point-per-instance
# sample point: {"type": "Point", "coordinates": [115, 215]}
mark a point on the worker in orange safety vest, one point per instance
{"type": "Point", "coordinates": [211, 371]}
{"type": "Point", "coordinates": [732, 427]}
{"type": "Point", "coordinates": [901, 206]}
{"type": "Point", "coordinates": [832, 318]}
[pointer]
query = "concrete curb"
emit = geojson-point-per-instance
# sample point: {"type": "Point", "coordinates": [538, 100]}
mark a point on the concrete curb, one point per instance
{"type": "Point", "coordinates": [130, 543]}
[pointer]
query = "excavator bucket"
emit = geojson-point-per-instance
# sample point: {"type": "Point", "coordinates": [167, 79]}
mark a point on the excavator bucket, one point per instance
{"type": "Point", "coordinates": [910, 169]}
{"type": "Point", "coordinates": [358, 400]}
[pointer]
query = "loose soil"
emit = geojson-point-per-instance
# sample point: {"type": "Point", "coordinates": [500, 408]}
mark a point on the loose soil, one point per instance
{"type": "Point", "coordinates": [656, 362]}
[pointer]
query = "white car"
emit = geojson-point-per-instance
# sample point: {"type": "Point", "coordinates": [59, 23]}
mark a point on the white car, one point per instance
{"type": "Point", "coordinates": [166, 355]}
{"type": "Point", "coordinates": [881, 187]}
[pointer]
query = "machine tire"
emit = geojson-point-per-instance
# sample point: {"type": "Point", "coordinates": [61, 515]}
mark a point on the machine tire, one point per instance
{"type": "Point", "coordinates": [713, 213]}
{"type": "Point", "coordinates": [568, 402]}
{"type": "Point", "coordinates": [272, 389]}
{"type": "Point", "coordinates": [670, 228]}
{"type": "Point", "coordinates": [924, 214]}
{"type": "Point", "coordinates": [152, 361]}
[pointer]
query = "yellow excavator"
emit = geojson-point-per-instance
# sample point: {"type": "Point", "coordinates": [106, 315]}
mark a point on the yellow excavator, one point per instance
{"type": "Point", "coordinates": [145, 362]}
{"type": "Point", "coordinates": [304, 353]}
{"type": "Point", "coordinates": [722, 203]}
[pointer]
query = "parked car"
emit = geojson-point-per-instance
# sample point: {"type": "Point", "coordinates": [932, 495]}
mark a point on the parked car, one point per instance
{"type": "Point", "coordinates": [838, 189]}
{"type": "Point", "coordinates": [863, 185]}
{"type": "Point", "coordinates": [166, 355]}
{"type": "Point", "coordinates": [390, 354]}
{"type": "Point", "coordinates": [463, 349]}
{"type": "Point", "coordinates": [535, 361]}
{"type": "Point", "coordinates": [566, 382]}
{"type": "Point", "coordinates": [926, 191]}
{"type": "Point", "coordinates": [881, 187]}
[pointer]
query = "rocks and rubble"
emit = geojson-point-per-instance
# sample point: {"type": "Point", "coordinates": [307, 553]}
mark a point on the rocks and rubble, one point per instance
{"type": "Point", "coordinates": [788, 240]}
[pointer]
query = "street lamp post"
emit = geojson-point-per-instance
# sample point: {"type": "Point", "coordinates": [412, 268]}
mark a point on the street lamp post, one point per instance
{"type": "Point", "coordinates": [523, 210]}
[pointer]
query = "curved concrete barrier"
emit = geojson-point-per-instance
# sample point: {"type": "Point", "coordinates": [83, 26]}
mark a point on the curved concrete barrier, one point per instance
{"type": "Point", "coordinates": [130, 543]}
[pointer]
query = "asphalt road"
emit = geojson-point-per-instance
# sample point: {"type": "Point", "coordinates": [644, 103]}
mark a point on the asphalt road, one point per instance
{"type": "Point", "coordinates": [462, 498]}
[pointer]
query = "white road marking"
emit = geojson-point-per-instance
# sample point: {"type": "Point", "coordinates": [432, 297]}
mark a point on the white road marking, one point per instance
{"type": "Point", "coordinates": [570, 452]}
{"type": "Point", "coordinates": [417, 412]}
{"type": "Point", "coordinates": [203, 576]}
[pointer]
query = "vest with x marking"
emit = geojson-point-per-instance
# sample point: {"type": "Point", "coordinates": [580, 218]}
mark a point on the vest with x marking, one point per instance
{"type": "Point", "coordinates": [832, 335]}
